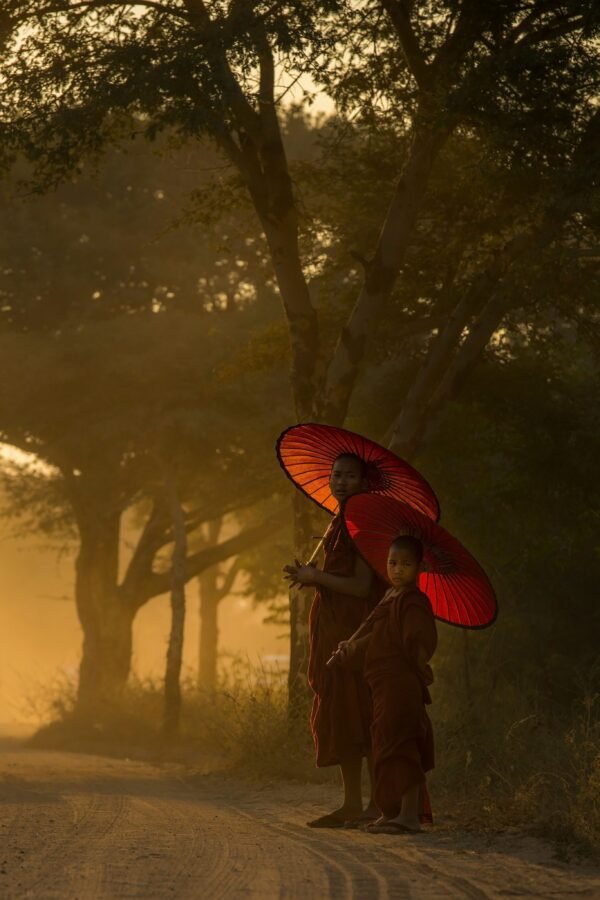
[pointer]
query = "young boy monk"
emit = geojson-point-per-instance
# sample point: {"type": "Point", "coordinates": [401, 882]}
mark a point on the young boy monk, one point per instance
{"type": "Point", "coordinates": [396, 643]}
{"type": "Point", "coordinates": [346, 592]}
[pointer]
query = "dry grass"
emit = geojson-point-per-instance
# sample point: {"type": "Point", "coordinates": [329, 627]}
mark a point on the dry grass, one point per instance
{"type": "Point", "coordinates": [494, 770]}
{"type": "Point", "coordinates": [243, 726]}
{"type": "Point", "coordinates": [527, 770]}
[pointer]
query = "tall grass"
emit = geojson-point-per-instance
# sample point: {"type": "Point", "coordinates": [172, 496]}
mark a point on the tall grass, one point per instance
{"type": "Point", "coordinates": [243, 725]}
{"type": "Point", "coordinates": [502, 762]}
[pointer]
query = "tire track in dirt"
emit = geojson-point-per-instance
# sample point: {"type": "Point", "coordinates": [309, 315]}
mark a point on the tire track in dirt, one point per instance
{"type": "Point", "coordinates": [87, 828]}
{"type": "Point", "coordinates": [66, 845]}
{"type": "Point", "coordinates": [371, 866]}
{"type": "Point", "coordinates": [348, 875]}
{"type": "Point", "coordinates": [376, 872]}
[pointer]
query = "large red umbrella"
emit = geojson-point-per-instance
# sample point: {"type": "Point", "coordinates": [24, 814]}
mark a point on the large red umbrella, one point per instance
{"type": "Point", "coordinates": [458, 588]}
{"type": "Point", "coordinates": [308, 451]}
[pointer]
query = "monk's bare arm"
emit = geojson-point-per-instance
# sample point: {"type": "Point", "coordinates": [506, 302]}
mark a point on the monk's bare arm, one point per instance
{"type": "Point", "coordinates": [356, 645]}
{"type": "Point", "coordinates": [356, 585]}
{"type": "Point", "coordinates": [350, 652]}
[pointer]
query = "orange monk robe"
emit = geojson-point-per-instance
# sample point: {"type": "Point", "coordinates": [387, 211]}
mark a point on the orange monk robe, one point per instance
{"type": "Point", "coordinates": [401, 733]}
{"type": "Point", "coordinates": [341, 713]}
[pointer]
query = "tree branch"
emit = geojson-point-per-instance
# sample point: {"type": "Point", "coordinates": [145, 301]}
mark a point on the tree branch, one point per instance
{"type": "Point", "coordinates": [445, 372]}
{"type": "Point", "coordinates": [158, 582]}
{"type": "Point", "coordinates": [469, 26]}
{"type": "Point", "coordinates": [531, 18]}
{"type": "Point", "coordinates": [381, 273]}
{"type": "Point", "coordinates": [266, 91]}
{"type": "Point", "coordinates": [552, 30]}
{"type": "Point", "coordinates": [248, 118]}
{"type": "Point", "coordinates": [57, 8]}
{"type": "Point", "coordinates": [399, 13]}
{"type": "Point", "coordinates": [151, 540]}
{"type": "Point", "coordinates": [224, 589]}
{"type": "Point", "coordinates": [439, 356]}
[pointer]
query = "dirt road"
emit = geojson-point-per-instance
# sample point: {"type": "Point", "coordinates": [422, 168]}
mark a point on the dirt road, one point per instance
{"type": "Point", "coordinates": [75, 826]}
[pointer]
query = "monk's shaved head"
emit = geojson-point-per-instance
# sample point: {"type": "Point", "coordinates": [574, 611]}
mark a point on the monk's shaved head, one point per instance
{"type": "Point", "coordinates": [408, 542]}
{"type": "Point", "coordinates": [353, 458]}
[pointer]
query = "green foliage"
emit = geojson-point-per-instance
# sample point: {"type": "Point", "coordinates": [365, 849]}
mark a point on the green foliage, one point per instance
{"type": "Point", "coordinates": [119, 391]}
{"type": "Point", "coordinates": [523, 69]}
{"type": "Point", "coordinates": [107, 242]}
{"type": "Point", "coordinates": [516, 473]}
{"type": "Point", "coordinates": [78, 75]}
{"type": "Point", "coordinates": [475, 205]}
{"type": "Point", "coordinates": [128, 325]}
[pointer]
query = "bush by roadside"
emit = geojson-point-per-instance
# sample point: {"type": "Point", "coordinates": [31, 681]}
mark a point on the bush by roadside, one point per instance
{"type": "Point", "coordinates": [518, 767]}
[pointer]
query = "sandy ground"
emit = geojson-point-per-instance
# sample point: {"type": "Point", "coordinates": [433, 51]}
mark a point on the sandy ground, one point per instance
{"type": "Point", "coordinates": [75, 826]}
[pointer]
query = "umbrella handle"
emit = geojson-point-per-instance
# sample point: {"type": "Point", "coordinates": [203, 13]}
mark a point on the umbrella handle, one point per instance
{"type": "Point", "coordinates": [316, 551]}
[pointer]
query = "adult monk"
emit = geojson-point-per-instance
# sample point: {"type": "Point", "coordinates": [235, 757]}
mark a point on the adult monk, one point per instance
{"type": "Point", "coordinates": [346, 592]}
{"type": "Point", "coordinates": [395, 645]}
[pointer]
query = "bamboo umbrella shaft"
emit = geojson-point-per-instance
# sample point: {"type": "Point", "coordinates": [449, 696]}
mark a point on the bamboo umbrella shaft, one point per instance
{"type": "Point", "coordinates": [316, 551]}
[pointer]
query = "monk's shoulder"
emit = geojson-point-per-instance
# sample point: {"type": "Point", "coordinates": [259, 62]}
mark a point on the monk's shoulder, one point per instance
{"type": "Point", "coordinates": [416, 599]}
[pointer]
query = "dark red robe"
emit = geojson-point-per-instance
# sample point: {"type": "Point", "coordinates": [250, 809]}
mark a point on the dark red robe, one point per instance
{"type": "Point", "coordinates": [341, 713]}
{"type": "Point", "coordinates": [401, 733]}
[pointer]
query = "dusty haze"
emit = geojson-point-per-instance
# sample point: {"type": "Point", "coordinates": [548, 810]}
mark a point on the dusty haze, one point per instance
{"type": "Point", "coordinates": [40, 634]}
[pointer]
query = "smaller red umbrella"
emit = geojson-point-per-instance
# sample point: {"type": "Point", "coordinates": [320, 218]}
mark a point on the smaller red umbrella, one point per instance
{"type": "Point", "coordinates": [307, 452]}
{"type": "Point", "coordinates": [458, 588]}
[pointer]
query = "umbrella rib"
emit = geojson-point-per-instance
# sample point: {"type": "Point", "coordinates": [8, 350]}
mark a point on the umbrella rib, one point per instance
{"type": "Point", "coordinates": [308, 446]}
{"type": "Point", "coordinates": [479, 605]}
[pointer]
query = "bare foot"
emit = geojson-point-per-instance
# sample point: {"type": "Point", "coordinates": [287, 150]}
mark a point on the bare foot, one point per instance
{"type": "Point", "coordinates": [334, 819]}
{"type": "Point", "coordinates": [372, 811]}
{"type": "Point", "coordinates": [407, 822]}
{"type": "Point", "coordinates": [365, 818]}
{"type": "Point", "coordinates": [374, 823]}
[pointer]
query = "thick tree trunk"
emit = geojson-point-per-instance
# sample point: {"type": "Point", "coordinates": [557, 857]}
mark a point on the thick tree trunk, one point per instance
{"type": "Point", "coordinates": [209, 629]}
{"type": "Point", "coordinates": [172, 708]}
{"type": "Point", "coordinates": [300, 603]}
{"type": "Point", "coordinates": [282, 238]}
{"type": "Point", "coordinates": [106, 620]}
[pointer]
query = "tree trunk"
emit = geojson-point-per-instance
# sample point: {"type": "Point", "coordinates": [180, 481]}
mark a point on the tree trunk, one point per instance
{"type": "Point", "coordinates": [300, 603]}
{"type": "Point", "coordinates": [106, 620]}
{"type": "Point", "coordinates": [381, 272]}
{"type": "Point", "coordinates": [450, 360]}
{"type": "Point", "coordinates": [172, 707]}
{"type": "Point", "coordinates": [209, 629]}
{"type": "Point", "coordinates": [282, 238]}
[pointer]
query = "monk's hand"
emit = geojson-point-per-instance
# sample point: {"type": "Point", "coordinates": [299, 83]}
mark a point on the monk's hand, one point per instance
{"type": "Point", "coordinates": [343, 653]}
{"type": "Point", "coordinates": [300, 575]}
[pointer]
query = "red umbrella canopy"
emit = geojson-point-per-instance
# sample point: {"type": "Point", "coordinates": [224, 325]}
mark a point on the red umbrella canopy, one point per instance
{"type": "Point", "coordinates": [307, 453]}
{"type": "Point", "coordinates": [458, 588]}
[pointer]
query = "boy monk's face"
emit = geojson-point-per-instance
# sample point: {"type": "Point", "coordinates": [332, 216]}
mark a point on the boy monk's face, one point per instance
{"type": "Point", "coordinates": [402, 567]}
{"type": "Point", "coordinates": [346, 478]}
